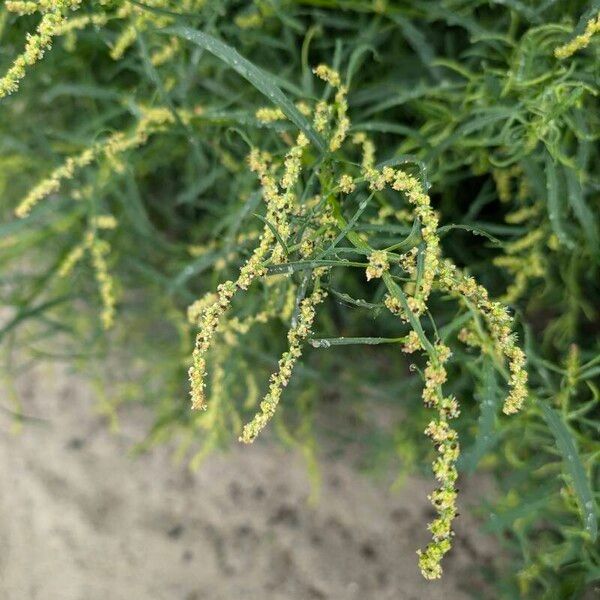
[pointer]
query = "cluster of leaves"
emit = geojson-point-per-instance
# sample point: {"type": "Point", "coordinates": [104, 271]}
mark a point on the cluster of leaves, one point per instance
{"type": "Point", "coordinates": [157, 206]}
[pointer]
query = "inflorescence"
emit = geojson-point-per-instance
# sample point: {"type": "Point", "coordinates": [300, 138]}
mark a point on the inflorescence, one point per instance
{"type": "Point", "coordinates": [54, 16]}
{"type": "Point", "coordinates": [307, 224]}
{"type": "Point", "coordinates": [581, 41]}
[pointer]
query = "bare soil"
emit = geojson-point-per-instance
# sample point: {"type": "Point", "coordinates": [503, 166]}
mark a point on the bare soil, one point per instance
{"type": "Point", "coordinates": [82, 519]}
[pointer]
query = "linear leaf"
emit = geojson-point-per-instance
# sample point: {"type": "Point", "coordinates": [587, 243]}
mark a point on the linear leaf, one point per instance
{"type": "Point", "coordinates": [489, 396]}
{"type": "Point", "coordinates": [348, 341]}
{"type": "Point", "coordinates": [260, 79]}
{"type": "Point", "coordinates": [303, 265]}
{"type": "Point", "coordinates": [474, 230]}
{"type": "Point", "coordinates": [568, 449]}
{"type": "Point", "coordinates": [556, 202]}
{"type": "Point", "coordinates": [582, 211]}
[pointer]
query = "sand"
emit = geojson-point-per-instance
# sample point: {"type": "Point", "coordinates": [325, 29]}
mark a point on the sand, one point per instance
{"type": "Point", "coordinates": [82, 519]}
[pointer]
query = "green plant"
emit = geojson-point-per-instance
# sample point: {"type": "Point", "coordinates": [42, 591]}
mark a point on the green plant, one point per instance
{"type": "Point", "coordinates": [484, 118]}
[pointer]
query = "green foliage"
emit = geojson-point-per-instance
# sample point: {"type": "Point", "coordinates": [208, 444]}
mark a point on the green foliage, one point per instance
{"type": "Point", "coordinates": [125, 146]}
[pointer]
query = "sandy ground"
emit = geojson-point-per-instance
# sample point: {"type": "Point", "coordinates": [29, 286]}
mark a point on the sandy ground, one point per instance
{"type": "Point", "coordinates": [80, 519]}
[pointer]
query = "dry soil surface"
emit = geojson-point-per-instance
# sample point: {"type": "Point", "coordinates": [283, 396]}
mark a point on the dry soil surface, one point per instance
{"type": "Point", "coordinates": [81, 519]}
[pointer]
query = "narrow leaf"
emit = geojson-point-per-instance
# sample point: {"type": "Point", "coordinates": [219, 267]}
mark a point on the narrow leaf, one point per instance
{"type": "Point", "coordinates": [556, 202]}
{"type": "Point", "coordinates": [344, 341]}
{"type": "Point", "coordinates": [582, 211]}
{"type": "Point", "coordinates": [568, 449]}
{"type": "Point", "coordinates": [489, 397]}
{"type": "Point", "coordinates": [260, 79]}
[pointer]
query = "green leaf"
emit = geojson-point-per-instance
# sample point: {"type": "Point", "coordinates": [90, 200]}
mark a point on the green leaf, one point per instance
{"type": "Point", "coordinates": [344, 341]}
{"type": "Point", "coordinates": [457, 323]}
{"type": "Point", "coordinates": [264, 82]}
{"type": "Point", "coordinates": [490, 399]}
{"type": "Point", "coordinates": [582, 211]}
{"type": "Point", "coordinates": [568, 449]}
{"type": "Point", "coordinates": [413, 238]}
{"type": "Point", "coordinates": [356, 60]}
{"type": "Point", "coordinates": [419, 43]}
{"type": "Point", "coordinates": [474, 230]}
{"type": "Point", "coordinates": [303, 265]}
{"type": "Point", "coordinates": [556, 202]}
{"type": "Point", "coordinates": [353, 301]}
{"type": "Point", "coordinates": [34, 311]}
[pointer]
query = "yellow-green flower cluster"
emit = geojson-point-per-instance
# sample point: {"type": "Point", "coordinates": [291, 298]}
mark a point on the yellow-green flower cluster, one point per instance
{"type": "Point", "coordinates": [36, 44]}
{"type": "Point", "coordinates": [81, 22]}
{"type": "Point", "coordinates": [104, 222]}
{"type": "Point", "coordinates": [293, 163]}
{"type": "Point", "coordinates": [268, 114]}
{"type": "Point", "coordinates": [470, 337]}
{"type": "Point", "coordinates": [523, 269]}
{"type": "Point", "coordinates": [248, 20]}
{"type": "Point", "coordinates": [99, 250]}
{"type": "Point", "coordinates": [78, 251]}
{"type": "Point", "coordinates": [445, 275]}
{"type": "Point", "coordinates": [327, 74]}
{"type": "Point", "coordinates": [296, 337]}
{"type": "Point", "coordinates": [503, 178]}
{"type": "Point", "coordinates": [445, 440]}
{"type": "Point", "coordinates": [321, 220]}
{"type": "Point", "coordinates": [378, 264]}
{"type": "Point", "coordinates": [52, 184]}
{"type": "Point", "coordinates": [137, 19]}
{"type": "Point", "coordinates": [401, 181]}
{"type": "Point", "coordinates": [443, 498]}
{"type": "Point", "coordinates": [196, 309]}
{"type": "Point", "coordinates": [208, 312]}
{"type": "Point", "coordinates": [324, 112]}
{"type": "Point", "coordinates": [394, 306]}
{"type": "Point", "coordinates": [499, 324]}
{"type": "Point", "coordinates": [368, 149]}
{"type": "Point", "coordinates": [343, 122]}
{"type": "Point", "coordinates": [410, 186]}
{"type": "Point", "coordinates": [580, 41]}
{"type": "Point", "coordinates": [152, 120]}
{"type": "Point", "coordinates": [166, 52]}
{"type": "Point", "coordinates": [346, 184]}
{"type": "Point", "coordinates": [322, 116]}
{"type": "Point", "coordinates": [524, 257]}
{"type": "Point", "coordinates": [412, 343]}
{"type": "Point", "coordinates": [279, 195]}
{"type": "Point", "coordinates": [25, 8]}
{"type": "Point", "coordinates": [208, 322]}
{"type": "Point", "coordinates": [74, 256]}
{"type": "Point", "coordinates": [259, 163]}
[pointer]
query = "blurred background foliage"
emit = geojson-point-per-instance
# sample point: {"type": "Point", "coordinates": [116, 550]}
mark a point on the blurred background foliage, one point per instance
{"type": "Point", "coordinates": [508, 135]}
